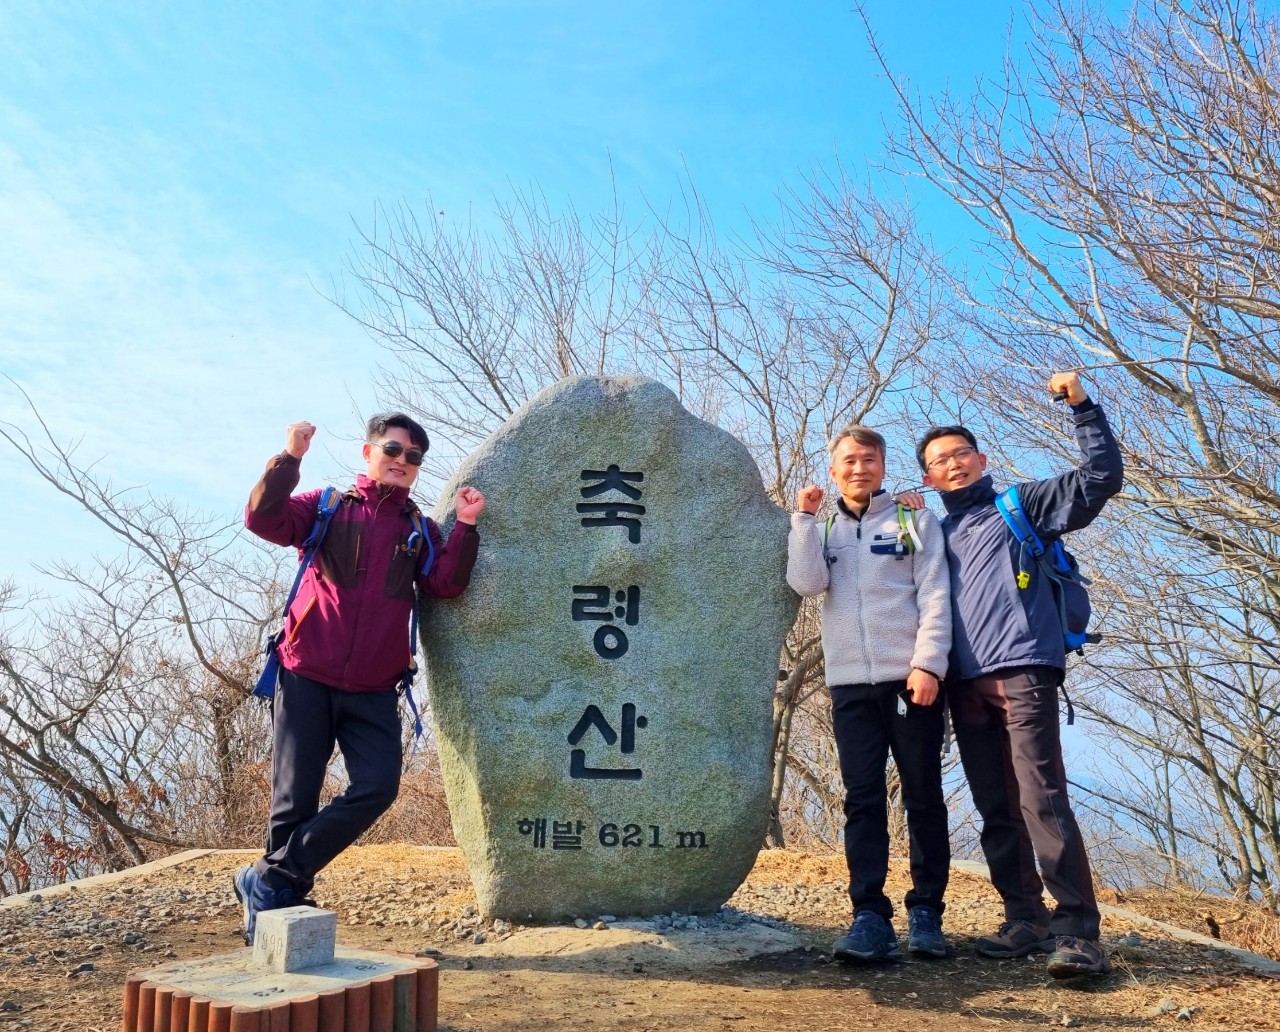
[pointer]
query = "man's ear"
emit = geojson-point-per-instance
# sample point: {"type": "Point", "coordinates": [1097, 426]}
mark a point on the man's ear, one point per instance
{"type": "Point", "coordinates": [927, 480]}
{"type": "Point", "coordinates": [366, 450]}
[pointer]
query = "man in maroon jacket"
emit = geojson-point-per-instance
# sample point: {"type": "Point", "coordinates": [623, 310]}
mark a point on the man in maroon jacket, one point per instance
{"type": "Point", "coordinates": [345, 647]}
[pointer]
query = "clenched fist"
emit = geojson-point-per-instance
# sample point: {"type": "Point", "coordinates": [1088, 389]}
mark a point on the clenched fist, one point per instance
{"type": "Point", "coordinates": [1070, 385]}
{"type": "Point", "coordinates": [298, 438]}
{"type": "Point", "coordinates": [809, 498]}
{"type": "Point", "coordinates": [469, 504]}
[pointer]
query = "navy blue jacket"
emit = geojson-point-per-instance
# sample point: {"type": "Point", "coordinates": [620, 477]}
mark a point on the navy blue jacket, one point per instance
{"type": "Point", "coordinates": [996, 625]}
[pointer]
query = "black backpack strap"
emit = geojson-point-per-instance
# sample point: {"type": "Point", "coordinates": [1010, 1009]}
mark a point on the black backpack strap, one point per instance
{"type": "Point", "coordinates": [1071, 710]}
{"type": "Point", "coordinates": [419, 541]}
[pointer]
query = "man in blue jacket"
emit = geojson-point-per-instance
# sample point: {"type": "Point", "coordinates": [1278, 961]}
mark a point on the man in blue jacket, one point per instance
{"type": "Point", "coordinates": [1007, 663]}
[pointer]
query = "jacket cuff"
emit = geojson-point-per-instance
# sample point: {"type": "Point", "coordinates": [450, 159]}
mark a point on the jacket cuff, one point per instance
{"type": "Point", "coordinates": [1086, 407]}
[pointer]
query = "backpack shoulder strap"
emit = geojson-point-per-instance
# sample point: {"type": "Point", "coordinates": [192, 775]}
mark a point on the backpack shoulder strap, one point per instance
{"type": "Point", "coordinates": [1010, 506]}
{"type": "Point", "coordinates": [826, 537]}
{"type": "Point", "coordinates": [420, 540]}
{"type": "Point", "coordinates": [330, 499]}
{"type": "Point", "coordinates": [907, 533]}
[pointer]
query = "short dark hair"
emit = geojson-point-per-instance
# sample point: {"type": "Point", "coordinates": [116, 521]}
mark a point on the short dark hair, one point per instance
{"type": "Point", "coordinates": [934, 432]}
{"type": "Point", "coordinates": [379, 424]}
{"type": "Point", "coordinates": [864, 435]}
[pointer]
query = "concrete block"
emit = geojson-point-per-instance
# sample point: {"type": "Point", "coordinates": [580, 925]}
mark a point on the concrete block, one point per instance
{"type": "Point", "coordinates": [294, 939]}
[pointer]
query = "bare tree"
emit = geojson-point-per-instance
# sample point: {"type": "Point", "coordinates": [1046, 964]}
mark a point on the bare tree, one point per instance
{"type": "Point", "coordinates": [122, 725]}
{"type": "Point", "coordinates": [820, 320]}
{"type": "Point", "coordinates": [1122, 180]}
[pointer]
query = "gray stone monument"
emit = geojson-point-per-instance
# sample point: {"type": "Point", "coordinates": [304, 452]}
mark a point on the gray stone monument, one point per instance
{"type": "Point", "coordinates": [602, 692]}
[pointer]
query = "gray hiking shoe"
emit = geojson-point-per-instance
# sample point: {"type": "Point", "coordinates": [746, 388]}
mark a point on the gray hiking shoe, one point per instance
{"type": "Point", "coordinates": [1073, 957]}
{"type": "Point", "coordinates": [870, 937]}
{"type": "Point", "coordinates": [1016, 939]}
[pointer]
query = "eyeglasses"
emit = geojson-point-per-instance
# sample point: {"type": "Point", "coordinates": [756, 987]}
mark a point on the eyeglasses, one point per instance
{"type": "Point", "coordinates": [394, 449]}
{"type": "Point", "coordinates": [959, 455]}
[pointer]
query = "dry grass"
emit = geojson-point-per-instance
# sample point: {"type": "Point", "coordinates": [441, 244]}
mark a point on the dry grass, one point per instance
{"type": "Point", "coordinates": [1247, 925]}
{"type": "Point", "coordinates": [420, 814]}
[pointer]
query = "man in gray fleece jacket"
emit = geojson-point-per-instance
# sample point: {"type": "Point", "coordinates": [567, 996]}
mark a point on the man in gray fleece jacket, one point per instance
{"type": "Point", "coordinates": [886, 633]}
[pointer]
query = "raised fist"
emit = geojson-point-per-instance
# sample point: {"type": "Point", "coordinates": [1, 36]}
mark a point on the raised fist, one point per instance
{"type": "Point", "coordinates": [809, 498]}
{"type": "Point", "coordinates": [469, 504]}
{"type": "Point", "coordinates": [298, 438]}
{"type": "Point", "coordinates": [1068, 384]}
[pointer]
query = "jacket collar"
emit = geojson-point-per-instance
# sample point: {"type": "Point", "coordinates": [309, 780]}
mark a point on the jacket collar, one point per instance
{"type": "Point", "coordinates": [371, 490]}
{"type": "Point", "coordinates": [980, 492]}
{"type": "Point", "coordinates": [880, 500]}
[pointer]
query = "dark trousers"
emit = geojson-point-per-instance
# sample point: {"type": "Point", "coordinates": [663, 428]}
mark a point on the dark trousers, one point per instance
{"type": "Point", "coordinates": [867, 728]}
{"type": "Point", "coordinates": [1006, 725]}
{"type": "Point", "coordinates": [308, 719]}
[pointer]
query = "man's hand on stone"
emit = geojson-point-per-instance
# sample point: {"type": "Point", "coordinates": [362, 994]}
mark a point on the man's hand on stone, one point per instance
{"type": "Point", "coordinates": [809, 498]}
{"type": "Point", "coordinates": [911, 499]}
{"type": "Point", "coordinates": [1070, 385]}
{"type": "Point", "coordinates": [469, 505]}
{"type": "Point", "coordinates": [922, 686]}
{"type": "Point", "coordinates": [298, 438]}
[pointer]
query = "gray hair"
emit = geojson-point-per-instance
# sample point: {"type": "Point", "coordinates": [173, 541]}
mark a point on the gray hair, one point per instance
{"type": "Point", "coordinates": [861, 434]}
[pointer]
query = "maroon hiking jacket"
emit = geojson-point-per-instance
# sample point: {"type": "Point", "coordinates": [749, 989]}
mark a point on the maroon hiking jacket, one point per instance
{"type": "Point", "coordinates": [348, 627]}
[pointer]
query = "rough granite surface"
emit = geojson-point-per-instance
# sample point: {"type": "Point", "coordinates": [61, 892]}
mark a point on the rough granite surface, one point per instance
{"type": "Point", "coordinates": [585, 775]}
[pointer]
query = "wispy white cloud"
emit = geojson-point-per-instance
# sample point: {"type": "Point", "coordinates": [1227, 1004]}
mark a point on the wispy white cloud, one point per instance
{"type": "Point", "coordinates": [159, 337]}
{"type": "Point", "coordinates": [174, 178]}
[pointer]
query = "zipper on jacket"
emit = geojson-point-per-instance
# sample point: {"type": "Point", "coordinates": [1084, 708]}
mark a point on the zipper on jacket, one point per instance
{"type": "Point", "coordinates": [298, 623]}
{"type": "Point", "coordinates": [864, 644]}
{"type": "Point", "coordinates": [359, 611]}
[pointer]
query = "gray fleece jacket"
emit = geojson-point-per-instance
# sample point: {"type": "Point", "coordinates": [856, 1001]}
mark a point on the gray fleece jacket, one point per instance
{"type": "Point", "coordinates": [883, 614]}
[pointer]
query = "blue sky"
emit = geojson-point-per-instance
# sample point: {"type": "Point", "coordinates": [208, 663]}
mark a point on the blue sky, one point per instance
{"type": "Point", "coordinates": [178, 184]}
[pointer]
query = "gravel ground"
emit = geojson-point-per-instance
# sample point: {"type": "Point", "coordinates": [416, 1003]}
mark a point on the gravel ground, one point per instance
{"type": "Point", "coordinates": [761, 962]}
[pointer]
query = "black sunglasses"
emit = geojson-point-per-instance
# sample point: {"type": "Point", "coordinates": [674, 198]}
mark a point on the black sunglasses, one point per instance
{"type": "Point", "coordinates": [394, 449]}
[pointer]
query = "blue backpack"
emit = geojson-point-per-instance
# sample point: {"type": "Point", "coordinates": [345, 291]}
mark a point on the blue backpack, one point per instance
{"type": "Point", "coordinates": [330, 499]}
{"type": "Point", "coordinates": [1068, 584]}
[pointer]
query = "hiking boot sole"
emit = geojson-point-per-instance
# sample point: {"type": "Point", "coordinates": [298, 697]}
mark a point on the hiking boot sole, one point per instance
{"type": "Point", "coordinates": [893, 953]}
{"type": "Point", "coordinates": [1008, 953]}
{"type": "Point", "coordinates": [1064, 969]}
{"type": "Point", "coordinates": [926, 951]}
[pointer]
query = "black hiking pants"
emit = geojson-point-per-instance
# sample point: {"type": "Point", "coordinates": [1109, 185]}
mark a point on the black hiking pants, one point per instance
{"type": "Point", "coordinates": [309, 718]}
{"type": "Point", "coordinates": [1006, 726]}
{"type": "Point", "coordinates": [868, 727]}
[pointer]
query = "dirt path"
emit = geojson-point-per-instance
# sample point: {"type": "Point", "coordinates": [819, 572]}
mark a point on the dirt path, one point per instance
{"type": "Point", "coordinates": [761, 965]}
